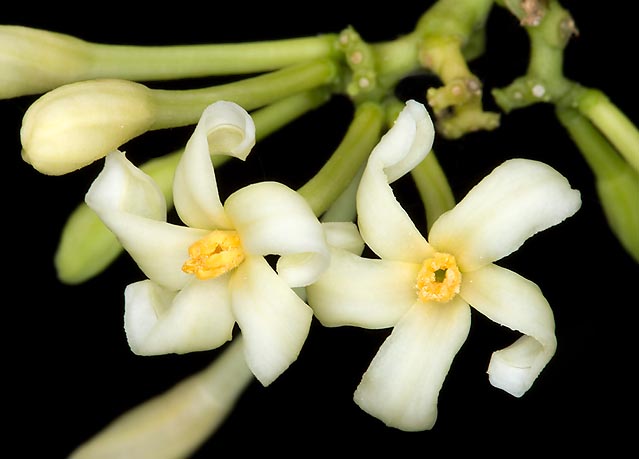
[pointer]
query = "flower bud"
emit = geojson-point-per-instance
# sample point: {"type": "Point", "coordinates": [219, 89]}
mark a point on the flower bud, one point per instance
{"type": "Point", "coordinates": [34, 61]}
{"type": "Point", "coordinates": [76, 124]}
{"type": "Point", "coordinates": [176, 422]}
{"type": "Point", "coordinates": [619, 196]}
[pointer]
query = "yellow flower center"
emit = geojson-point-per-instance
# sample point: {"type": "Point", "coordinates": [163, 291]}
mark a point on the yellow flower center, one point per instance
{"type": "Point", "coordinates": [215, 254]}
{"type": "Point", "coordinates": [439, 279]}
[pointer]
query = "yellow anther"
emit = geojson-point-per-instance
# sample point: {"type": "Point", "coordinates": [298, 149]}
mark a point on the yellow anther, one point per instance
{"type": "Point", "coordinates": [215, 254]}
{"type": "Point", "coordinates": [439, 279]}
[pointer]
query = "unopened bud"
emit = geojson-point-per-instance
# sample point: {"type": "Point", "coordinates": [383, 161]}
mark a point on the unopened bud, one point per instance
{"type": "Point", "coordinates": [34, 61]}
{"type": "Point", "coordinates": [79, 123]}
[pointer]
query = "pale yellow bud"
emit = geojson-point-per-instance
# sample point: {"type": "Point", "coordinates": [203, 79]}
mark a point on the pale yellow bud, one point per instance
{"type": "Point", "coordinates": [76, 124]}
{"type": "Point", "coordinates": [175, 423]}
{"type": "Point", "coordinates": [34, 61]}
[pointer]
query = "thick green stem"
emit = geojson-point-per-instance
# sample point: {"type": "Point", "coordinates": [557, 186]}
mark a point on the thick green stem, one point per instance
{"type": "Point", "coordinates": [338, 172]}
{"type": "Point", "coordinates": [549, 30]}
{"type": "Point", "coordinates": [617, 183]}
{"type": "Point", "coordinates": [184, 107]}
{"type": "Point", "coordinates": [613, 123]}
{"type": "Point", "coordinates": [433, 188]}
{"type": "Point", "coordinates": [147, 63]}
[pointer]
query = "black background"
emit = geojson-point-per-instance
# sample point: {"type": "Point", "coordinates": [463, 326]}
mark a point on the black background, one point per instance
{"type": "Point", "coordinates": [68, 370]}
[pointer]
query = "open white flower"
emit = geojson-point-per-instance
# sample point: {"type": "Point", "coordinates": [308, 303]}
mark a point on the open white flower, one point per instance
{"type": "Point", "coordinates": [424, 288]}
{"type": "Point", "coordinates": [205, 277]}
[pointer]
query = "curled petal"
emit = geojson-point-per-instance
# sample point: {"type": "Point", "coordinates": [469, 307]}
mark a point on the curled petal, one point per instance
{"type": "Point", "coordinates": [273, 319]}
{"type": "Point", "coordinates": [273, 219]}
{"type": "Point", "coordinates": [224, 128]}
{"type": "Point", "coordinates": [160, 321]}
{"type": "Point", "coordinates": [516, 200]}
{"type": "Point", "coordinates": [384, 224]}
{"type": "Point", "coordinates": [402, 383]}
{"type": "Point", "coordinates": [363, 292]}
{"type": "Point", "coordinates": [511, 300]}
{"type": "Point", "coordinates": [132, 206]}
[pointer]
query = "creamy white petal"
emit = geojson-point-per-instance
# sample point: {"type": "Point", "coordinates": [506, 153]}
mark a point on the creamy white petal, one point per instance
{"type": "Point", "coordinates": [384, 224]}
{"type": "Point", "coordinates": [363, 292]}
{"type": "Point", "coordinates": [132, 206]}
{"type": "Point", "coordinates": [273, 219]}
{"type": "Point", "coordinates": [344, 235]}
{"type": "Point", "coordinates": [402, 383]}
{"type": "Point", "coordinates": [516, 200]}
{"type": "Point", "coordinates": [175, 423]}
{"type": "Point", "coordinates": [122, 186]}
{"type": "Point", "coordinates": [511, 300]}
{"type": "Point", "coordinates": [273, 319]}
{"type": "Point", "coordinates": [160, 321]}
{"type": "Point", "coordinates": [224, 128]}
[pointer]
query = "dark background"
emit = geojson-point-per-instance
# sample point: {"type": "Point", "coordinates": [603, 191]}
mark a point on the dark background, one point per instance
{"type": "Point", "coordinates": [68, 370]}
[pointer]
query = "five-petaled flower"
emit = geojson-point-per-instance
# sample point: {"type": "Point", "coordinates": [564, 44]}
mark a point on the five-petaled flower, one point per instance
{"type": "Point", "coordinates": [423, 289]}
{"type": "Point", "coordinates": [212, 273]}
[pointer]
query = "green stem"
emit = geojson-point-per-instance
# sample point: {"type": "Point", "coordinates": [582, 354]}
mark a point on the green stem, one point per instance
{"type": "Point", "coordinates": [544, 81]}
{"type": "Point", "coordinates": [338, 172]}
{"type": "Point", "coordinates": [146, 63]}
{"type": "Point", "coordinates": [597, 151]}
{"type": "Point", "coordinates": [86, 245]}
{"type": "Point", "coordinates": [613, 123]}
{"type": "Point", "coordinates": [617, 183]}
{"type": "Point", "coordinates": [444, 31]}
{"type": "Point", "coordinates": [184, 107]}
{"type": "Point", "coordinates": [433, 188]}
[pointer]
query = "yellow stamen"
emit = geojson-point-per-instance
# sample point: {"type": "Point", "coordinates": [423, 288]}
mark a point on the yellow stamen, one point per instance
{"type": "Point", "coordinates": [215, 254]}
{"type": "Point", "coordinates": [439, 279]}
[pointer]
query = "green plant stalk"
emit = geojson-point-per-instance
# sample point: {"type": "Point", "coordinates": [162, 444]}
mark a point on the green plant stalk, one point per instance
{"type": "Point", "coordinates": [323, 189]}
{"type": "Point", "coordinates": [617, 183]}
{"type": "Point", "coordinates": [613, 123]}
{"type": "Point", "coordinates": [148, 63]}
{"type": "Point", "coordinates": [183, 107]}
{"type": "Point", "coordinates": [544, 80]}
{"type": "Point", "coordinates": [444, 31]}
{"type": "Point", "coordinates": [433, 188]}
{"type": "Point", "coordinates": [86, 245]}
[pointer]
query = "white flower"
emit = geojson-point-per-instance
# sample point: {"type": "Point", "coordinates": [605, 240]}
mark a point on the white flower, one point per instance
{"type": "Point", "coordinates": [424, 288]}
{"type": "Point", "coordinates": [208, 275]}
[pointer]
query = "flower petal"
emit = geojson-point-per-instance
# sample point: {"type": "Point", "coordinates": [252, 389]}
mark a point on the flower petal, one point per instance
{"type": "Point", "coordinates": [344, 235]}
{"type": "Point", "coordinates": [132, 206]}
{"type": "Point", "coordinates": [224, 128]}
{"type": "Point", "coordinates": [273, 219]}
{"type": "Point", "coordinates": [384, 224]}
{"type": "Point", "coordinates": [402, 383]}
{"type": "Point", "coordinates": [511, 300]}
{"type": "Point", "coordinates": [160, 321]}
{"type": "Point", "coordinates": [273, 319]}
{"type": "Point", "coordinates": [516, 200]}
{"type": "Point", "coordinates": [363, 292]}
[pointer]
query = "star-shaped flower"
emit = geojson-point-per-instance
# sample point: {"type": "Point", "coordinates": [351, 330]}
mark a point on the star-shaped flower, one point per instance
{"type": "Point", "coordinates": [210, 274]}
{"type": "Point", "coordinates": [424, 288]}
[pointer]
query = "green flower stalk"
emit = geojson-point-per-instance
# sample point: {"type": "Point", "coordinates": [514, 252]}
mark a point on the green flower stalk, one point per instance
{"type": "Point", "coordinates": [336, 175]}
{"type": "Point", "coordinates": [35, 61]}
{"type": "Point", "coordinates": [87, 247]}
{"type": "Point", "coordinates": [76, 124]}
{"type": "Point", "coordinates": [617, 183]}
